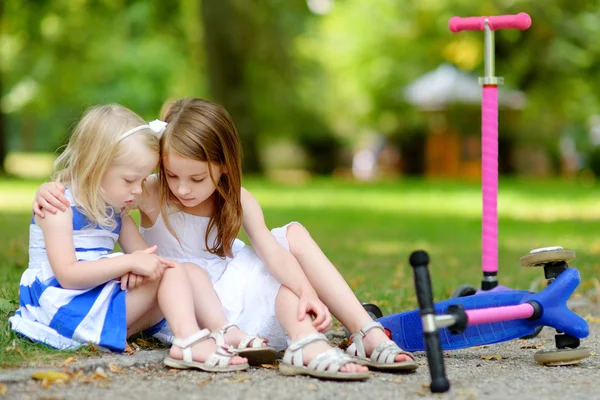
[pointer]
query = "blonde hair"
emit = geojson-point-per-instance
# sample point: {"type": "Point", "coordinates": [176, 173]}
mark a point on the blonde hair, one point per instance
{"type": "Point", "coordinates": [92, 148]}
{"type": "Point", "coordinates": [203, 131]}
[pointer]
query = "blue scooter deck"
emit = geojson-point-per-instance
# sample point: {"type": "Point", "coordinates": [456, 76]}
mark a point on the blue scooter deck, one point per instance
{"type": "Point", "coordinates": [407, 329]}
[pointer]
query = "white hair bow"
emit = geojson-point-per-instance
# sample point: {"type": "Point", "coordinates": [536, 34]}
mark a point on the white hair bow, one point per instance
{"type": "Point", "coordinates": [157, 126]}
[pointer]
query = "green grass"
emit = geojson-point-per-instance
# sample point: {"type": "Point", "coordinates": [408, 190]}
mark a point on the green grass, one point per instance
{"type": "Point", "coordinates": [368, 231]}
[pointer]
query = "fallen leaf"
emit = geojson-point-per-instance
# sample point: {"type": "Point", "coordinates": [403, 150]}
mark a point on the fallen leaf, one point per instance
{"type": "Point", "coordinates": [398, 380]}
{"type": "Point", "coordinates": [174, 370]}
{"type": "Point", "coordinates": [532, 346]}
{"type": "Point", "coordinates": [128, 349]}
{"type": "Point", "coordinates": [312, 387]}
{"type": "Point", "coordinates": [465, 395]}
{"type": "Point", "coordinates": [269, 366]}
{"type": "Point", "coordinates": [204, 382]}
{"type": "Point", "coordinates": [97, 376]}
{"type": "Point", "coordinates": [237, 379]}
{"type": "Point", "coordinates": [114, 368]}
{"type": "Point", "coordinates": [77, 374]}
{"type": "Point", "coordinates": [143, 342]}
{"type": "Point", "coordinates": [3, 390]}
{"type": "Point", "coordinates": [493, 357]}
{"type": "Point", "coordinates": [51, 376]}
{"type": "Point", "coordinates": [68, 361]}
{"type": "Point", "coordinates": [92, 347]}
{"type": "Point", "coordinates": [15, 350]}
{"type": "Point", "coordinates": [589, 318]}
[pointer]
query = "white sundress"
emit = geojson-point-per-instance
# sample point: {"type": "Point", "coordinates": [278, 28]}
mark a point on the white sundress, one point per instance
{"type": "Point", "coordinates": [64, 318]}
{"type": "Point", "coordinates": [245, 286]}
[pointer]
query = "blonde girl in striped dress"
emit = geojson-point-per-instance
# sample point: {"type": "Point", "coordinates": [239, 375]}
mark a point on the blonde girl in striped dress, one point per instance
{"type": "Point", "coordinates": [71, 295]}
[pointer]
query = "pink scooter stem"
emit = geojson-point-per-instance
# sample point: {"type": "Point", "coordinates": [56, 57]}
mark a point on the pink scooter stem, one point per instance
{"type": "Point", "coordinates": [520, 21]}
{"type": "Point", "coordinates": [489, 178]}
{"type": "Point", "coordinates": [489, 134]}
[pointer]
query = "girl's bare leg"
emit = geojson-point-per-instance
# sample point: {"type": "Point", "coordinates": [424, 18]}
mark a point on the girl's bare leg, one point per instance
{"type": "Point", "coordinates": [331, 287]}
{"type": "Point", "coordinates": [176, 301]}
{"type": "Point", "coordinates": [209, 310]}
{"type": "Point", "coordinates": [286, 307]}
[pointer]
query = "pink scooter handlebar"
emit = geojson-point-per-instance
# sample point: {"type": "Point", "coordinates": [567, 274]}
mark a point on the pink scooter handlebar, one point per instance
{"type": "Point", "coordinates": [520, 21]}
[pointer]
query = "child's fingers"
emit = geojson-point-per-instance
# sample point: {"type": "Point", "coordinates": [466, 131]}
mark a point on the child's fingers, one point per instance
{"type": "Point", "coordinates": [37, 210]}
{"type": "Point", "coordinates": [320, 319]}
{"type": "Point", "coordinates": [57, 199]}
{"type": "Point", "coordinates": [326, 324]}
{"type": "Point", "coordinates": [168, 263]}
{"type": "Point", "coordinates": [124, 281]}
{"type": "Point", "coordinates": [47, 206]}
{"type": "Point", "coordinates": [150, 250]}
{"type": "Point", "coordinates": [59, 196]}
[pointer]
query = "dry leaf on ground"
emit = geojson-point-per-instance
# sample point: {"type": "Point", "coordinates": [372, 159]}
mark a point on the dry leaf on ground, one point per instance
{"type": "Point", "coordinates": [237, 379]}
{"type": "Point", "coordinates": [114, 368]}
{"type": "Point", "coordinates": [97, 376]}
{"type": "Point", "coordinates": [532, 346]}
{"type": "Point", "coordinates": [492, 357]}
{"type": "Point", "coordinates": [51, 376]}
{"type": "Point", "coordinates": [3, 390]}
{"type": "Point", "coordinates": [205, 381]}
{"type": "Point", "coordinates": [68, 361]}
{"type": "Point", "coordinates": [589, 318]}
{"type": "Point", "coordinates": [269, 366]}
{"type": "Point", "coordinates": [15, 350]}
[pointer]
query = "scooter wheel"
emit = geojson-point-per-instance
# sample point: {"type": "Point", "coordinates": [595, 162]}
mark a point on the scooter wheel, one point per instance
{"type": "Point", "coordinates": [545, 255]}
{"type": "Point", "coordinates": [373, 310]}
{"type": "Point", "coordinates": [558, 357]}
{"type": "Point", "coordinates": [534, 334]}
{"type": "Point", "coordinates": [463, 291]}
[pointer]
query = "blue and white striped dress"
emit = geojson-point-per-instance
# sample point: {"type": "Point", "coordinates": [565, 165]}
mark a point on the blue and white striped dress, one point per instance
{"type": "Point", "coordinates": [64, 318]}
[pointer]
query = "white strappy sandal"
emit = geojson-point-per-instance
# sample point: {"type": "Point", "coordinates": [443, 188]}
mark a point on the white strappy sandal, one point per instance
{"type": "Point", "coordinates": [384, 355]}
{"type": "Point", "coordinates": [219, 361]}
{"type": "Point", "coordinates": [251, 347]}
{"type": "Point", "coordinates": [325, 365]}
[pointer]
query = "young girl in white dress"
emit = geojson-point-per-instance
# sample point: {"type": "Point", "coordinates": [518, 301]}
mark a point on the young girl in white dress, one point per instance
{"type": "Point", "coordinates": [70, 294]}
{"type": "Point", "coordinates": [194, 210]}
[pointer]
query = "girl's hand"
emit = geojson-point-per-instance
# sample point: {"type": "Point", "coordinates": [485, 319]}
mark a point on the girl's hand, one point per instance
{"type": "Point", "coordinates": [311, 304]}
{"type": "Point", "coordinates": [149, 265]}
{"type": "Point", "coordinates": [50, 197]}
{"type": "Point", "coordinates": [131, 281]}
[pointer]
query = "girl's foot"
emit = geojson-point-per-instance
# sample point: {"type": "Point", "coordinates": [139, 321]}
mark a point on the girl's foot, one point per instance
{"type": "Point", "coordinates": [371, 347]}
{"type": "Point", "coordinates": [201, 351]}
{"type": "Point", "coordinates": [234, 336]}
{"type": "Point", "coordinates": [314, 349]}
{"type": "Point", "coordinates": [374, 338]}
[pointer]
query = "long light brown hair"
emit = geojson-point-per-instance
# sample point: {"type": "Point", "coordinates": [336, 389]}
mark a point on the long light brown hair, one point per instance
{"type": "Point", "coordinates": [203, 131]}
{"type": "Point", "coordinates": [93, 146]}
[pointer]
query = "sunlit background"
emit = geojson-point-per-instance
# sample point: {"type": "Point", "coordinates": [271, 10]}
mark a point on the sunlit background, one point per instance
{"type": "Point", "coordinates": [315, 86]}
{"type": "Point", "coordinates": [361, 119]}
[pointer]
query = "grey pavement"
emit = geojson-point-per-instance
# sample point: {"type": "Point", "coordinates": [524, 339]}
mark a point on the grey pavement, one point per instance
{"type": "Point", "coordinates": [502, 371]}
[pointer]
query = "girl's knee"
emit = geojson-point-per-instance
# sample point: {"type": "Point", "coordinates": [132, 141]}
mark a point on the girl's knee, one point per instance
{"type": "Point", "coordinates": [296, 234]}
{"type": "Point", "coordinates": [194, 270]}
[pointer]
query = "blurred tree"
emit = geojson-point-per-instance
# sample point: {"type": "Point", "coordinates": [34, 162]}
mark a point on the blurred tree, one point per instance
{"type": "Point", "coordinates": [3, 149]}
{"type": "Point", "coordinates": [229, 39]}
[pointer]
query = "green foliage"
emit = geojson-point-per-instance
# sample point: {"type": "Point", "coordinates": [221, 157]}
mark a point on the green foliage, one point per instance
{"type": "Point", "coordinates": [306, 77]}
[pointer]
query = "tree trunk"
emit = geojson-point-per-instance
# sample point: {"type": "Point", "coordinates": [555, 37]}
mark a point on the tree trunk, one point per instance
{"type": "Point", "coordinates": [3, 148]}
{"type": "Point", "coordinates": [228, 38]}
